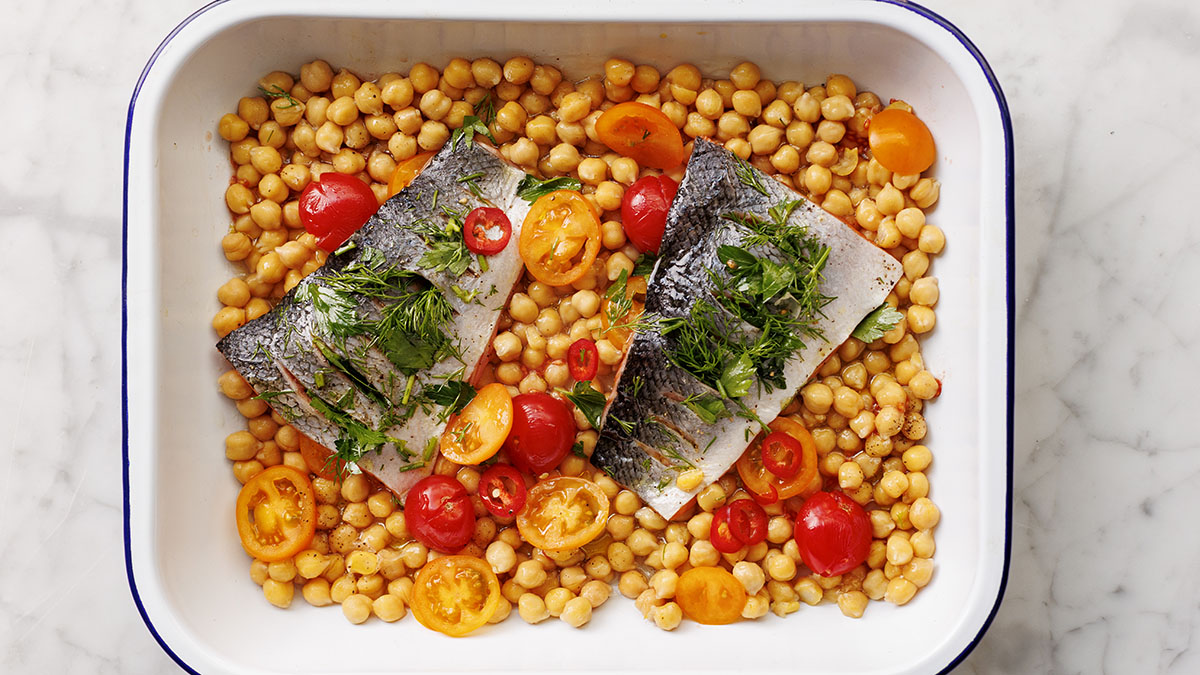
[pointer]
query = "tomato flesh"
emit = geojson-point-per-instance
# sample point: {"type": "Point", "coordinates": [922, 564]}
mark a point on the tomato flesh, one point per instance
{"type": "Point", "coordinates": [486, 230]}
{"type": "Point", "coordinates": [563, 514]}
{"type": "Point", "coordinates": [833, 533]}
{"type": "Point", "coordinates": [583, 359]}
{"type": "Point", "coordinates": [644, 211]}
{"type": "Point", "coordinates": [543, 432]}
{"type": "Point", "coordinates": [502, 489]}
{"type": "Point", "coordinates": [334, 206]}
{"type": "Point", "coordinates": [710, 595]}
{"type": "Point", "coordinates": [276, 514]}
{"type": "Point", "coordinates": [782, 454]}
{"type": "Point", "coordinates": [439, 513]}
{"type": "Point", "coordinates": [478, 432]}
{"type": "Point", "coordinates": [900, 141]}
{"type": "Point", "coordinates": [560, 238]}
{"type": "Point", "coordinates": [643, 133]}
{"type": "Point", "coordinates": [406, 171]}
{"type": "Point", "coordinates": [455, 594]}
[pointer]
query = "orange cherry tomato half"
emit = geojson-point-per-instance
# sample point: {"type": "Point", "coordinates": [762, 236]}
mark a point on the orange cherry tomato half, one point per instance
{"type": "Point", "coordinates": [760, 481]}
{"type": "Point", "coordinates": [560, 238]}
{"type": "Point", "coordinates": [900, 141]}
{"type": "Point", "coordinates": [563, 513]}
{"type": "Point", "coordinates": [480, 429]}
{"type": "Point", "coordinates": [320, 459]}
{"type": "Point", "coordinates": [455, 594]}
{"type": "Point", "coordinates": [276, 514]}
{"type": "Point", "coordinates": [406, 171]}
{"type": "Point", "coordinates": [486, 230]}
{"type": "Point", "coordinates": [710, 595]}
{"type": "Point", "coordinates": [643, 133]}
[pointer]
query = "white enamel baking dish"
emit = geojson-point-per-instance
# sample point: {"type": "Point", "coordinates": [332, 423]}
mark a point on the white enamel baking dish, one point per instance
{"type": "Point", "coordinates": [188, 574]}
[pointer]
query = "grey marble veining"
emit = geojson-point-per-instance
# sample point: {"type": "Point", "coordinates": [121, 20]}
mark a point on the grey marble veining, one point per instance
{"type": "Point", "coordinates": [1103, 576]}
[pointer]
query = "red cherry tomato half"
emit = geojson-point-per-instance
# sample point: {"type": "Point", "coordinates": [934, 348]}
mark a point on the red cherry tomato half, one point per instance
{"type": "Point", "coordinates": [833, 533]}
{"type": "Point", "coordinates": [542, 434]}
{"type": "Point", "coordinates": [782, 454]}
{"type": "Point", "coordinates": [487, 230]}
{"type": "Point", "coordinates": [583, 359]}
{"type": "Point", "coordinates": [721, 534]}
{"type": "Point", "coordinates": [644, 211]}
{"type": "Point", "coordinates": [439, 513]}
{"type": "Point", "coordinates": [334, 206]}
{"type": "Point", "coordinates": [502, 489]}
{"type": "Point", "coordinates": [748, 521]}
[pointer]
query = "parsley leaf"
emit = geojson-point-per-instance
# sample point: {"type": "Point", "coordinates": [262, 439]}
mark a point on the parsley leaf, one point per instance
{"type": "Point", "coordinates": [737, 377]}
{"type": "Point", "coordinates": [334, 313]}
{"type": "Point", "coordinates": [589, 401]}
{"type": "Point", "coordinates": [878, 322]}
{"type": "Point", "coordinates": [454, 394]}
{"type": "Point", "coordinates": [531, 188]}
{"type": "Point", "coordinates": [707, 407]}
{"type": "Point", "coordinates": [645, 264]}
{"type": "Point", "coordinates": [355, 439]}
{"type": "Point", "coordinates": [451, 256]}
{"type": "Point", "coordinates": [577, 449]}
{"type": "Point", "coordinates": [466, 133]}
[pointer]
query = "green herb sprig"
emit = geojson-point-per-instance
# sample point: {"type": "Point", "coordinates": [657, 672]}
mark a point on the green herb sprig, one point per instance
{"type": "Point", "coordinates": [531, 188]}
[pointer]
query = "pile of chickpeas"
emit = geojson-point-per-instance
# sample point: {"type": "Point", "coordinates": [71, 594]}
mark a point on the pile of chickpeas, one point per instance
{"type": "Point", "coordinates": [863, 407]}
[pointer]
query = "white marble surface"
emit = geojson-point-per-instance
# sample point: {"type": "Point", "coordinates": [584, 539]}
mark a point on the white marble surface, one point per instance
{"type": "Point", "coordinates": [1103, 576]}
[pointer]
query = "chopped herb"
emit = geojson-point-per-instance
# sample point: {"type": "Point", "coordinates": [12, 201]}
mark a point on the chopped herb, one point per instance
{"type": "Point", "coordinates": [619, 301]}
{"type": "Point", "coordinates": [471, 181]}
{"type": "Point", "coordinates": [882, 319]}
{"type": "Point", "coordinates": [276, 91]}
{"type": "Point", "coordinates": [707, 407]}
{"type": "Point", "coordinates": [335, 314]}
{"type": "Point", "coordinates": [447, 250]}
{"type": "Point", "coordinates": [270, 396]}
{"type": "Point", "coordinates": [355, 439]}
{"type": "Point", "coordinates": [748, 177]}
{"type": "Point", "coordinates": [638, 382]}
{"type": "Point", "coordinates": [430, 447]}
{"type": "Point", "coordinates": [530, 188]}
{"type": "Point", "coordinates": [645, 264]}
{"type": "Point", "coordinates": [625, 425]}
{"type": "Point", "coordinates": [663, 483]}
{"type": "Point", "coordinates": [483, 264]}
{"type": "Point", "coordinates": [577, 449]}
{"type": "Point", "coordinates": [464, 295]}
{"type": "Point", "coordinates": [492, 291]}
{"type": "Point", "coordinates": [454, 395]}
{"type": "Point", "coordinates": [485, 109]}
{"type": "Point", "coordinates": [589, 401]}
{"type": "Point", "coordinates": [465, 134]}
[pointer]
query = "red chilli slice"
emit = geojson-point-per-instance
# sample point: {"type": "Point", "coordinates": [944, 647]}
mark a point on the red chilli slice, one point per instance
{"type": "Point", "coordinates": [486, 230]}
{"type": "Point", "coordinates": [502, 489]}
{"type": "Point", "coordinates": [782, 455]}
{"type": "Point", "coordinates": [583, 359]}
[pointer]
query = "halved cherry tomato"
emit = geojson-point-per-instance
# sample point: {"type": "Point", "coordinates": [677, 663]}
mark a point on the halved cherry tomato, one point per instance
{"type": "Point", "coordinates": [710, 595]}
{"type": "Point", "coordinates": [560, 238]}
{"type": "Point", "coordinates": [334, 206]}
{"type": "Point", "coordinates": [276, 514]}
{"type": "Point", "coordinates": [782, 454]}
{"type": "Point", "coordinates": [642, 132]}
{"type": "Point", "coordinates": [563, 513]}
{"type": "Point", "coordinates": [644, 211]}
{"type": "Point", "coordinates": [543, 432]}
{"type": "Point", "coordinates": [833, 533]}
{"type": "Point", "coordinates": [406, 171]}
{"type": "Point", "coordinates": [439, 513]}
{"type": "Point", "coordinates": [616, 329]}
{"type": "Point", "coordinates": [583, 359]}
{"type": "Point", "coordinates": [455, 594]}
{"type": "Point", "coordinates": [502, 489]}
{"type": "Point", "coordinates": [486, 230]}
{"type": "Point", "coordinates": [320, 459]}
{"type": "Point", "coordinates": [480, 429]}
{"type": "Point", "coordinates": [900, 141]}
{"type": "Point", "coordinates": [759, 480]}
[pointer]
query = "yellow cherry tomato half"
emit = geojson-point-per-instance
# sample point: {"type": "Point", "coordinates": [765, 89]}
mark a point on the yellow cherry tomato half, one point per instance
{"type": "Point", "coordinates": [710, 595]}
{"type": "Point", "coordinates": [276, 514]}
{"type": "Point", "coordinates": [560, 238]}
{"type": "Point", "coordinates": [761, 482]}
{"type": "Point", "coordinates": [480, 429]}
{"type": "Point", "coordinates": [563, 513]}
{"type": "Point", "coordinates": [900, 141]}
{"type": "Point", "coordinates": [455, 594]}
{"type": "Point", "coordinates": [406, 171]}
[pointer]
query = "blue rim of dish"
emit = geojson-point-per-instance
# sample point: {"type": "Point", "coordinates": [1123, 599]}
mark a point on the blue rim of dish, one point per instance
{"type": "Point", "coordinates": [1010, 296]}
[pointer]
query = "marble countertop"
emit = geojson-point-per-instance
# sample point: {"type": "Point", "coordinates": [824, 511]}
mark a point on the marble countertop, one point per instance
{"type": "Point", "coordinates": [1103, 575]}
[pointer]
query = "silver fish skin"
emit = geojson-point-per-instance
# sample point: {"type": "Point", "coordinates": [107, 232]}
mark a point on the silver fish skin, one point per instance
{"type": "Point", "coordinates": [285, 357]}
{"type": "Point", "coordinates": [658, 437]}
